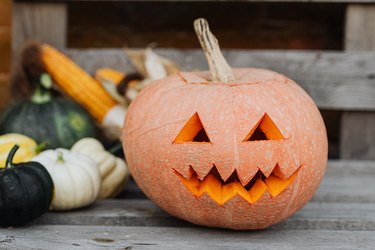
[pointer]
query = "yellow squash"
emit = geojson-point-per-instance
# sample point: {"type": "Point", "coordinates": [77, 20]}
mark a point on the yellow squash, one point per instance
{"type": "Point", "coordinates": [28, 148]}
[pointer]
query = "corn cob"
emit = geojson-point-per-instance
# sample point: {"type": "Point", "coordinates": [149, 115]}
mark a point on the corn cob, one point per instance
{"type": "Point", "coordinates": [112, 75]}
{"type": "Point", "coordinates": [76, 83]}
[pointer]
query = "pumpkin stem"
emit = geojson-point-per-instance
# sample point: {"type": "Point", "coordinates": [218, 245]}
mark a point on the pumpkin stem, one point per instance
{"type": "Point", "coordinates": [60, 158]}
{"type": "Point", "coordinates": [219, 68]}
{"type": "Point", "coordinates": [9, 161]}
{"type": "Point", "coordinates": [42, 92]}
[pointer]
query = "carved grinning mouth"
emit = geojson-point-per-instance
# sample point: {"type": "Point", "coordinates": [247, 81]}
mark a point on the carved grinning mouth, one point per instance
{"type": "Point", "coordinates": [222, 191]}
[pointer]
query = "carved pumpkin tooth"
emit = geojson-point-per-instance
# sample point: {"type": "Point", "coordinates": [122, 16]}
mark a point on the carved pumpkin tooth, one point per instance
{"type": "Point", "coordinates": [203, 172]}
{"type": "Point", "coordinates": [277, 171]}
{"type": "Point", "coordinates": [243, 192]}
{"type": "Point", "coordinates": [288, 166]}
{"type": "Point", "coordinates": [276, 185]}
{"type": "Point", "coordinates": [245, 176]}
{"type": "Point", "coordinates": [267, 166]}
{"type": "Point", "coordinates": [226, 172]}
{"type": "Point", "coordinates": [257, 190]}
{"type": "Point", "coordinates": [230, 190]}
{"type": "Point", "coordinates": [192, 184]}
{"type": "Point", "coordinates": [212, 186]}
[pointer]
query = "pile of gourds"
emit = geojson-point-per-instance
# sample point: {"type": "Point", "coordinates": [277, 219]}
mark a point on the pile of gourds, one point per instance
{"type": "Point", "coordinates": [31, 182]}
{"type": "Point", "coordinates": [50, 158]}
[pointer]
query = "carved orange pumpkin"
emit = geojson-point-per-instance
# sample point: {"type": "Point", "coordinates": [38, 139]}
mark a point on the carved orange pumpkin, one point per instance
{"type": "Point", "coordinates": [242, 155]}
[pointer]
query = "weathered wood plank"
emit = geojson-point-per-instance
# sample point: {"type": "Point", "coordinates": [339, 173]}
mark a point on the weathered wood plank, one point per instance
{"type": "Point", "coordinates": [347, 181]}
{"type": "Point", "coordinates": [360, 26]}
{"type": "Point", "coordinates": [342, 81]}
{"type": "Point", "coordinates": [315, 215]}
{"type": "Point", "coordinates": [358, 130]}
{"type": "Point", "coordinates": [358, 135]}
{"type": "Point", "coordinates": [345, 201]}
{"type": "Point", "coordinates": [39, 21]}
{"type": "Point", "coordinates": [350, 168]}
{"type": "Point", "coordinates": [83, 237]}
{"type": "Point", "coordinates": [119, 212]}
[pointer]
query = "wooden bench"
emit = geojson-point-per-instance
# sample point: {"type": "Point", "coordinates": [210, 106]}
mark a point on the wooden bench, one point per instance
{"type": "Point", "coordinates": [341, 214]}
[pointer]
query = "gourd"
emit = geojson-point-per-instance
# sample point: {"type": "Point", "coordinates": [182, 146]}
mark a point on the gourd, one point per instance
{"type": "Point", "coordinates": [76, 177]}
{"type": "Point", "coordinates": [55, 122]}
{"type": "Point", "coordinates": [113, 170]}
{"type": "Point", "coordinates": [232, 148]}
{"type": "Point", "coordinates": [26, 191]}
{"type": "Point", "coordinates": [28, 148]}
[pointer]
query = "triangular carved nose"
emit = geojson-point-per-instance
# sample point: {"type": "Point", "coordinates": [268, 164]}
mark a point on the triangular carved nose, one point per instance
{"type": "Point", "coordinates": [193, 131]}
{"type": "Point", "coordinates": [265, 129]}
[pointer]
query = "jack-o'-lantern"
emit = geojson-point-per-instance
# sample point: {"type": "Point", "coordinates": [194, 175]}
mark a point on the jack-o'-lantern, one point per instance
{"type": "Point", "coordinates": [240, 149]}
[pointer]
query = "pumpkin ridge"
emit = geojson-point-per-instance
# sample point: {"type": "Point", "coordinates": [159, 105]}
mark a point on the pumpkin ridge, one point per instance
{"type": "Point", "coordinates": [37, 186]}
{"type": "Point", "coordinates": [83, 167]}
{"type": "Point", "coordinates": [37, 172]}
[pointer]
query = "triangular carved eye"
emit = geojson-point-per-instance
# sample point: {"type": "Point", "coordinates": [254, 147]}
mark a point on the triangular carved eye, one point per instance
{"type": "Point", "coordinates": [193, 131]}
{"type": "Point", "coordinates": [265, 129]}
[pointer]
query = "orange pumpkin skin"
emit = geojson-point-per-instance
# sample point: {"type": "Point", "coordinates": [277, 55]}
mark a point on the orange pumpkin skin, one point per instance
{"type": "Point", "coordinates": [228, 112]}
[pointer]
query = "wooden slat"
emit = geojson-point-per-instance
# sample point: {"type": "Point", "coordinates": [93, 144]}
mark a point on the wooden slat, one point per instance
{"type": "Point", "coordinates": [41, 21]}
{"type": "Point", "coordinates": [83, 237]}
{"type": "Point", "coordinates": [315, 215]}
{"type": "Point", "coordinates": [342, 81]}
{"type": "Point", "coordinates": [360, 26]}
{"type": "Point", "coordinates": [358, 130]}
{"type": "Point", "coordinates": [358, 135]}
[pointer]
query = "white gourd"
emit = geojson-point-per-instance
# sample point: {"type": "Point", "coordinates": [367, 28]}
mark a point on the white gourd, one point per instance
{"type": "Point", "coordinates": [76, 178]}
{"type": "Point", "coordinates": [113, 170]}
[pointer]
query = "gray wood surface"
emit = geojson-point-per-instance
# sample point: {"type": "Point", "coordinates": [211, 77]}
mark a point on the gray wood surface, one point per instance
{"type": "Point", "coordinates": [360, 26]}
{"type": "Point", "coordinates": [358, 129]}
{"type": "Point", "coordinates": [99, 237]}
{"type": "Point", "coordinates": [43, 22]}
{"type": "Point", "coordinates": [343, 81]}
{"type": "Point", "coordinates": [345, 201]}
{"type": "Point", "coordinates": [139, 224]}
{"type": "Point", "coordinates": [358, 135]}
{"type": "Point", "coordinates": [315, 215]}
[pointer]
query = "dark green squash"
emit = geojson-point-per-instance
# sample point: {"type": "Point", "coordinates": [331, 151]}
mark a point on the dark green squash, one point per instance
{"type": "Point", "coordinates": [26, 191]}
{"type": "Point", "coordinates": [56, 122]}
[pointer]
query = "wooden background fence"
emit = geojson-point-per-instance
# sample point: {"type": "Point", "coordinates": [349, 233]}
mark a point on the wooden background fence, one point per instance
{"type": "Point", "coordinates": [338, 77]}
